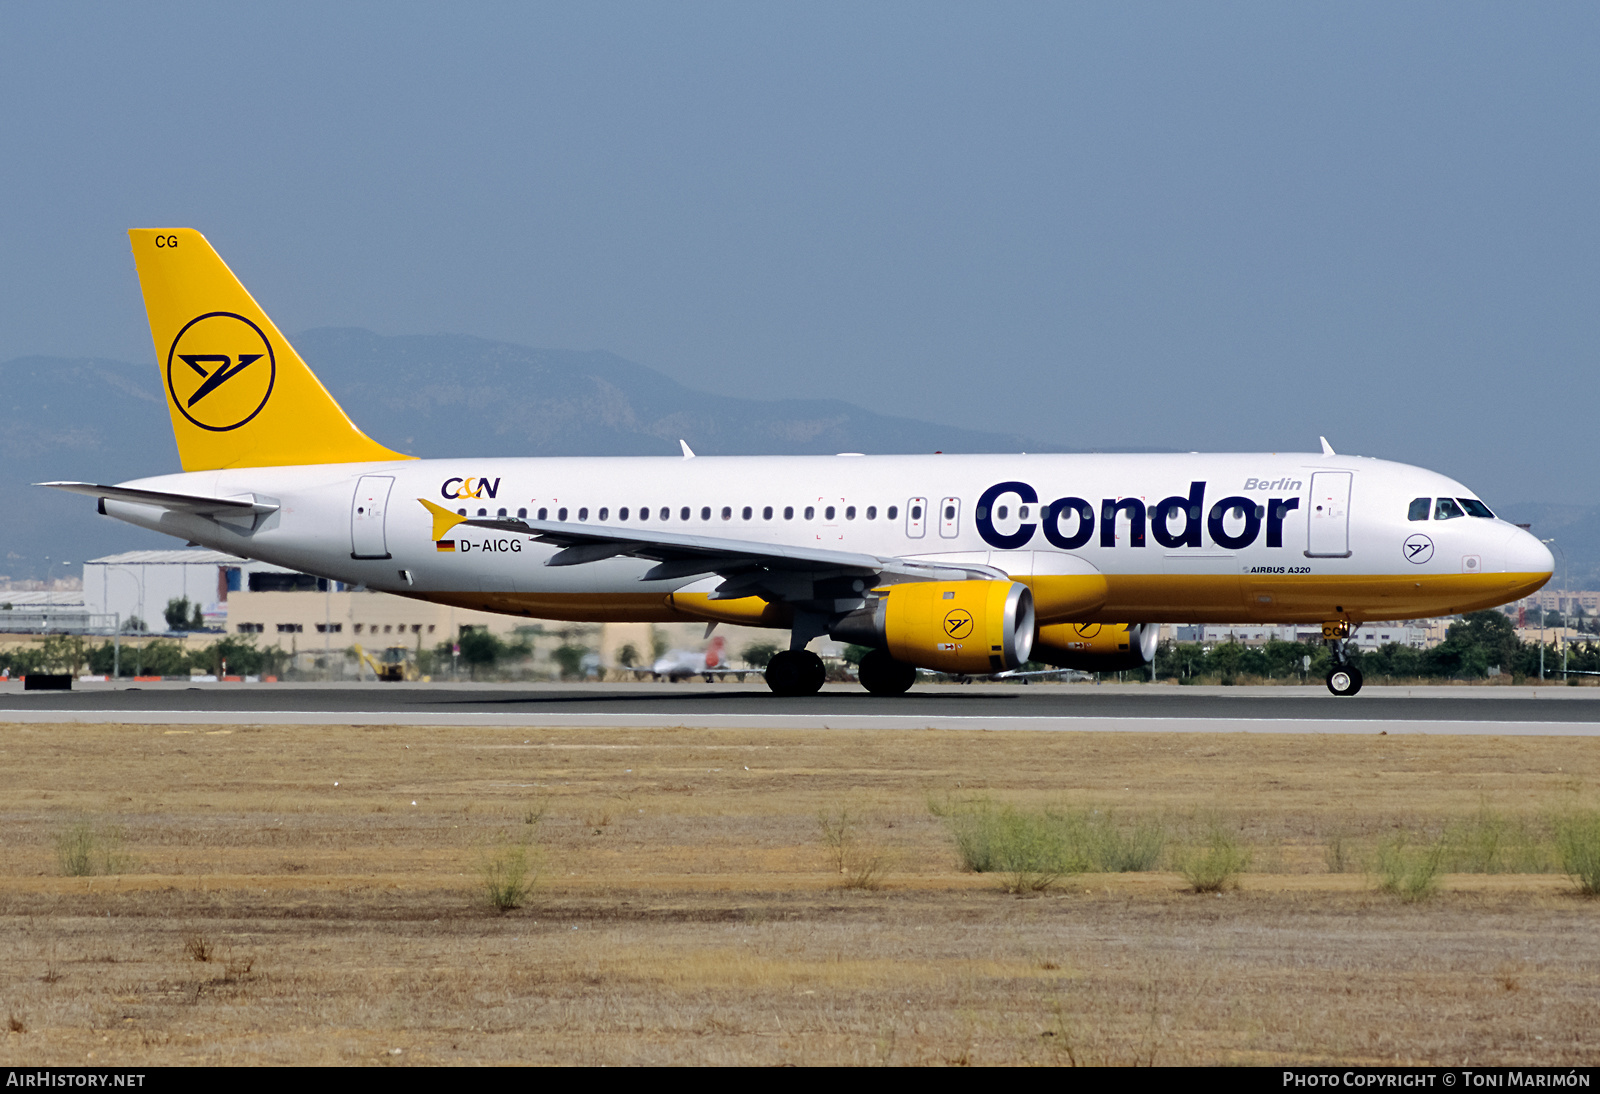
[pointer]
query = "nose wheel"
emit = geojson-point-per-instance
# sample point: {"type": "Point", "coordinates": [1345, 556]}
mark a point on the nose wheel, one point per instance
{"type": "Point", "coordinates": [1345, 680]}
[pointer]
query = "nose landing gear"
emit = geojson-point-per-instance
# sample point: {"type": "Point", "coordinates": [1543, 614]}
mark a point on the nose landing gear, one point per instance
{"type": "Point", "coordinates": [1343, 678]}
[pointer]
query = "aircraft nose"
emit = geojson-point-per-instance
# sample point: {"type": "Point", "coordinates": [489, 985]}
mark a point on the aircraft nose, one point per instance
{"type": "Point", "coordinates": [1524, 554]}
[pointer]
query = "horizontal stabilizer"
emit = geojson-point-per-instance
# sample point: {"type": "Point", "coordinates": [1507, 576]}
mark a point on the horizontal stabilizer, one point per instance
{"type": "Point", "coordinates": [179, 503]}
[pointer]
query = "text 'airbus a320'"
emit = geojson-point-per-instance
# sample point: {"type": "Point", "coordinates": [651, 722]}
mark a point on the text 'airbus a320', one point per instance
{"type": "Point", "coordinates": [961, 564]}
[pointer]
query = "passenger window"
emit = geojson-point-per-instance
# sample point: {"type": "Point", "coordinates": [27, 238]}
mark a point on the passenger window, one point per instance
{"type": "Point", "coordinates": [1419, 508]}
{"type": "Point", "coordinates": [1023, 512]}
{"type": "Point", "coordinates": [745, 512]}
{"type": "Point", "coordinates": [916, 512]}
{"type": "Point", "coordinates": [1475, 508]}
{"type": "Point", "coordinates": [766, 514]}
{"type": "Point", "coordinates": [544, 514]}
{"type": "Point", "coordinates": [1446, 509]}
{"type": "Point", "coordinates": [461, 512]}
{"type": "Point", "coordinates": [583, 514]}
{"type": "Point", "coordinates": [683, 514]}
{"type": "Point", "coordinates": [827, 514]}
{"type": "Point", "coordinates": [501, 514]}
{"type": "Point", "coordinates": [561, 514]}
{"type": "Point", "coordinates": [604, 513]}
{"type": "Point", "coordinates": [894, 511]}
{"type": "Point", "coordinates": [705, 512]}
{"type": "Point", "coordinates": [811, 511]}
{"type": "Point", "coordinates": [1000, 513]}
{"type": "Point", "coordinates": [522, 514]}
{"type": "Point", "coordinates": [483, 512]}
{"type": "Point", "coordinates": [850, 512]}
{"type": "Point", "coordinates": [727, 512]}
{"type": "Point", "coordinates": [872, 512]}
{"type": "Point", "coordinates": [788, 512]}
{"type": "Point", "coordinates": [622, 514]}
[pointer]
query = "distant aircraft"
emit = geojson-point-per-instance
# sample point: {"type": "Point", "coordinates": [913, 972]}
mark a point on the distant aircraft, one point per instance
{"type": "Point", "coordinates": [961, 564]}
{"type": "Point", "coordinates": [675, 665]}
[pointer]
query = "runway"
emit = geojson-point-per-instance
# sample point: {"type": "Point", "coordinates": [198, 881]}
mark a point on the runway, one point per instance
{"type": "Point", "coordinates": [1522, 711]}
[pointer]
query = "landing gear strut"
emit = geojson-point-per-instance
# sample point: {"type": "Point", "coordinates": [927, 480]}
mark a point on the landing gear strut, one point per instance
{"type": "Point", "coordinates": [883, 675]}
{"type": "Point", "coordinates": [1343, 678]}
{"type": "Point", "coordinates": [795, 672]}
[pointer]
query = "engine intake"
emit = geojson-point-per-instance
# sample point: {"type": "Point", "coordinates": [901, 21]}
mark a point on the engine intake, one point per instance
{"type": "Point", "coordinates": [949, 626]}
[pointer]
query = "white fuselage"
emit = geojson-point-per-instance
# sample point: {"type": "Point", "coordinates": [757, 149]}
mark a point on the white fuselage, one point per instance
{"type": "Point", "coordinates": [1280, 549]}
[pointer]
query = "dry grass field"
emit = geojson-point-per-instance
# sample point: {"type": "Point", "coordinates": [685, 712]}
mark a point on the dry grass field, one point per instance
{"type": "Point", "coordinates": [316, 895]}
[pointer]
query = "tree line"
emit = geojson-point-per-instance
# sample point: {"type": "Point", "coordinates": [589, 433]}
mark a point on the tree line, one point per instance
{"type": "Point", "coordinates": [1475, 647]}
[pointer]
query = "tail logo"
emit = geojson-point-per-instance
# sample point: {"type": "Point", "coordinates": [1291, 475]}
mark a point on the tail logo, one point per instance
{"type": "Point", "coordinates": [220, 371]}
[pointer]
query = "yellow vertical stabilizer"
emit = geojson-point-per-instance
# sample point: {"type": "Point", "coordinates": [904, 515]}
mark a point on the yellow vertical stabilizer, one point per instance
{"type": "Point", "coordinates": [238, 393]}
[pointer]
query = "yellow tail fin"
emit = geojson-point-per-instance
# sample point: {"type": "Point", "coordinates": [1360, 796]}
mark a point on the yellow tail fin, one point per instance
{"type": "Point", "coordinates": [238, 393]}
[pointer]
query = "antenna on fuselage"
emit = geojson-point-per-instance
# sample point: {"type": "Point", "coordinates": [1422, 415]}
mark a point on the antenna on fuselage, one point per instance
{"type": "Point", "coordinates": [688, 453]}
{"type": "Point", "coordinates": [1327, 449]}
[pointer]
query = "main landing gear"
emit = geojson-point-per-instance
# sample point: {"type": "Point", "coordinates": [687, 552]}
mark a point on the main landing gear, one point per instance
{"type": "Point", "coordinates": [883, 675]}
{"type": "Point", "coordinates": [795, 672]}
{"type": "Point", "coordinates": [1343, 678]}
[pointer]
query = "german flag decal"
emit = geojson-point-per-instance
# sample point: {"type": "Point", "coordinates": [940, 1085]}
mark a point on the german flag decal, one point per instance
{"type": "Point", "coordinates": [446, 545]}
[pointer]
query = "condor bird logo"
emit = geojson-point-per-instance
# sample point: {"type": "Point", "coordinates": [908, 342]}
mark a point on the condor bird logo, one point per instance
{"type": "Point", "coordinates": [958, 623]}
{"type": "Point", "coordinates": [220, 371]}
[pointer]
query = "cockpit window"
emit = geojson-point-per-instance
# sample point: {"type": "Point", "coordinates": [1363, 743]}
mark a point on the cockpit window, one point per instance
{"type": "Point", "coordinates": [1420, 507]}
{"type": "Point", "coordinates": [1447, 509]}
{"type": "Point", "coordinates": [1475, 508]}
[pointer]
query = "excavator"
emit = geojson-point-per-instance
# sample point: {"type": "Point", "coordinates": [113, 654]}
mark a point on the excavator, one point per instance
{"type": "Point", "coordinates": [397, 664]}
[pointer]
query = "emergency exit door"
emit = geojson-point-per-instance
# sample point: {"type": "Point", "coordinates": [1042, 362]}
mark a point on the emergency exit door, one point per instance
{"type": "Point", "coordinates": [1328, 522]}
{"type": "Point", "coordinates": [367, 512]}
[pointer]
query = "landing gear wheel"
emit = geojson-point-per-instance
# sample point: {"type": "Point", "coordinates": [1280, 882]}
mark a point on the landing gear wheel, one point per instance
{"type": "Point", "coordinates": [883, 675]}
{"type": "Point", "coordinates": [1344, 681]}
{"type": "Point", "coordinates": [795, 672]}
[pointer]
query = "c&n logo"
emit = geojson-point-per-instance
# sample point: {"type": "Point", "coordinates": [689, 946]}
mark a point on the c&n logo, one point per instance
{"type": "Point", "coordinates": [220, 371]}
{"type": "Point", "coordinates": [457, 488]}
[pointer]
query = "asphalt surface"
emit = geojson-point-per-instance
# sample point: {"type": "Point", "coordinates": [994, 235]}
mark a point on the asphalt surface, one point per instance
{"type": "Point", "coordinates": [1479, 710]}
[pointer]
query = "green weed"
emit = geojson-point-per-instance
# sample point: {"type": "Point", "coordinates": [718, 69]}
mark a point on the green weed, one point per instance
{"type": "Point", "coordinates": [1409, 870]}
{"type": "Point", "coordinates": [85, 848]}
{"type": "Point", "coordinates": [1213, 863]}
{"type": "Point", "coordinates": [1578, 845]}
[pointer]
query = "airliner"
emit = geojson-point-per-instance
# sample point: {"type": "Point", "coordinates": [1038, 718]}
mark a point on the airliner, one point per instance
{"type": "Point", "coordinates": [957, 564]}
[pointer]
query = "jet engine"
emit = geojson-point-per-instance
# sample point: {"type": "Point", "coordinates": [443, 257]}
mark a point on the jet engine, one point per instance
{"type": "Point", "coordinates": [1097, 647]}
{"type": "Point", "coordinates": [951, 626]}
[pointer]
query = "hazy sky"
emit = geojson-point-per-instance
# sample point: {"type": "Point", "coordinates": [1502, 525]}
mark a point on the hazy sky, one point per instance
{"type": "Point", "coordinates": [1180, 226]}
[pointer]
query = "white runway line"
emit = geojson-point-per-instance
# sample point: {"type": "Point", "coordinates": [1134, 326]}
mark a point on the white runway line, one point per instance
{"type": "Point", "coordinates": [1370, 726]}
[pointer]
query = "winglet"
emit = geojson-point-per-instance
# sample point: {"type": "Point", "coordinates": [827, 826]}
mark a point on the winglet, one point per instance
{"type": "Point", "coordinates": [1327, 449]}
{"type": "Point", "coordinates": [688, 453]}
{"type": "Point", "coordinates": [443, 519]}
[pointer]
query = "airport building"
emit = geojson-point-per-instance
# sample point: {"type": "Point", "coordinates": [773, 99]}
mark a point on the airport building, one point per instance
{"type": "Point", "coordinates": [1417, 633]}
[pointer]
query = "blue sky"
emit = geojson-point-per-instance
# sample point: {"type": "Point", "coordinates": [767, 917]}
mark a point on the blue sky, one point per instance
{"type": "Point", "coordinates": [1228, 226]}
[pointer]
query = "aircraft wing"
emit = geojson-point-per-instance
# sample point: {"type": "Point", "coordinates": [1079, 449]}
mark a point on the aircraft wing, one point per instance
{"type": "Point", "coordinates": [181, 503]}
{"type": "Point", "coordinates": [679, 554]}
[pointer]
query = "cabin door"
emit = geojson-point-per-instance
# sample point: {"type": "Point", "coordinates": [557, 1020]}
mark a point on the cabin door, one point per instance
{"type": "Point", "coordinates": [367, 512]}
{"type": "Point", "coordinates": [1328, 522]}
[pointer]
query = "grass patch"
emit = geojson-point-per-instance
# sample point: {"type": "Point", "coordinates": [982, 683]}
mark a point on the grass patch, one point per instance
{"type": "Point", "coordinates": [861, 864]}
{"type": "Point", "coordinates": [1213, 863]}
{"type": "Point", "coordinates": [507, 872]}
{"type": "Point", "coordinates": [1490, 842]}
{"type": "Point", "coordinates": [1407, 869]}
{"type": "Point", "coordinates": [1034, 849]}
{"type": "Point", "coordinates": [85, 848]}
{"type": "Point", "coordinates": [1578, 845]}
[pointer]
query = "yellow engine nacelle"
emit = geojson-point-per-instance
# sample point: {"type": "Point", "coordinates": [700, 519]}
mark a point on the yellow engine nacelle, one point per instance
{"type": "Point", "coordinates": [1097, 647]}
{"type": "Point", "coordinates": [949, 626]}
